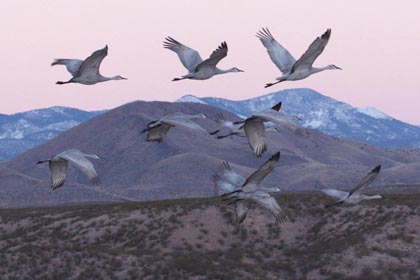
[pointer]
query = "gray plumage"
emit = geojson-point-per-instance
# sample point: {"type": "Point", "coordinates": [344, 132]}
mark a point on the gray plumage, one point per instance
{"type": "Point", "coordinates": [86, 71]}
{"type": "Point", "coordinates": [198, 69]}
{"type": "Point", "coordinates": [157, 130]}
{"type": "Point", "coordinates": [291, 68]}
{"type": "Point", "coordinates": [356, 194]}
{"type": "Point", "coordinates": [226, 180]}
{"type": "Point", "coordinates": [255, 129]}
{"type": "Point", "coordinates": [59, 164]}
{"type": "Point", "coordinates": [237, 190]}
{"type": "Point", "coordinates": [231, 129]}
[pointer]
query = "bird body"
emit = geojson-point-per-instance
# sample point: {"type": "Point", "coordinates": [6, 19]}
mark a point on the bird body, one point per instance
{"type": "Point", "coordinates": [356, 194]}
{"type": "Point", "coordinates": [300, 75]}
{"type": "Point", "coordinates": [234, 129]}
{"type": "Point", "coordinates": [86, 71]}
{"type": "Point", "coordinates": [227, 180]}
{"type": "Point", "coordinates": [198, 69]}
{"type": "Point", "coordinates": [205, 73]}
{"type": "Point", "coordinates": [157, 129]}
{"type": "Point", "coordinates": [59, 163]}
{"type": "Point", "coordinates": [240, 190]}
{"type": "Point", "coordinates": [255, 129]}
{"type": "Point", "coordinates": [291, 68]}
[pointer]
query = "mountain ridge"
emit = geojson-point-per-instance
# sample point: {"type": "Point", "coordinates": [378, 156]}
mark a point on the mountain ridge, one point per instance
{"type": "Point", "coordinates": [326, 114]}
{"type": "Point", "coordinates": [182, 165]}
{"type": "Point", "coordinates": [22, 131]}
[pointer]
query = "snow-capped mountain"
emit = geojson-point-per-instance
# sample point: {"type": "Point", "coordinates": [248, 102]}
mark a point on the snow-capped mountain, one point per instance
{"type": "Point", "coordinates": [327, 115]}
{"type": "Point", "coordinates": [22, 131]}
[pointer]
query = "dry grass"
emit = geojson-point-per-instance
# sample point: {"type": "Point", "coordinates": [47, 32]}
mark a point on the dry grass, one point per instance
{"type": "Point", "coordinates": [198, 239]}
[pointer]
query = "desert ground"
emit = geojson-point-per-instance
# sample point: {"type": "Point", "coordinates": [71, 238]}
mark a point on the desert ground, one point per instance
{"type": "Point", "coordinates": [199, 239]}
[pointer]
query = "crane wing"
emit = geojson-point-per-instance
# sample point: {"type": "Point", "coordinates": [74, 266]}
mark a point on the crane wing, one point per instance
{"type": "Point", "coordinates": [72, 65]}
{"type": "Point", "coordinates": [157, 133]}
{"type": "Point", "coordinates": [90, 66]}
{"type": "Point", "coordinates": [226, 179]}
{"type": "Point", "coordinates": [256, 178]}
{"type": "Point", "coordinates": [282, 119]}
{"type": "Point", "coordinates": [190, 58]}
{"type": "Point", "coordinates": [214, 58]}
{"type": "Point", "coordinates": [180, 121]}
{"type": "Point", "coordinates": [255, 131]}
{"type": "Point", "coordinates": [58, 170]}
{"type": "Point", "coordinates": [270, 203]}
{"type": "Point", "coordinates": [241, 209]}
{"type": "Point", "coordinates": [340, 195]}
{"type": "Point", "coordinates": [315, 49]}
{"type": "Point", "coordinates": [83, 164]}
{"type": "Point", "coordinates": [278, 54]}
{"type": "Point", "coordinates": [367, 180]}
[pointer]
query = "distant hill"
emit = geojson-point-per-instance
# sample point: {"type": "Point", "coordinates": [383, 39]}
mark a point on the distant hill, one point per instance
{"type": "Point", "coordinates": [182, 165]}
{"type": "Point", "coordinates": [328, 115]}
{"type": "Point", "coordinates": [22, 131]}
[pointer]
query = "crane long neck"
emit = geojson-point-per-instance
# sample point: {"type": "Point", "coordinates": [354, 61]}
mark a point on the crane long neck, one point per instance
{"type": "Point", "coordinates": [271, 190]}
{"type": "Point", "coordinates": [221, 71]}
{"type": "Point", "coordinates": [319, 69]}
{"type": "Point", "coordinates": [368, 197]}
{"type": "Point", "coordinates": [103, 78]}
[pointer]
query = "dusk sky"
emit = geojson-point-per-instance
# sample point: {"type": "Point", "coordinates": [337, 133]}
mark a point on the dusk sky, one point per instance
{"type": "Point", "coordinates": [377, 43]}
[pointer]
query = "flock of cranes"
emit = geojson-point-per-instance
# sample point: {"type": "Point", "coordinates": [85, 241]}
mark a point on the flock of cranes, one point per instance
{"type": "Point", "coordinates": [236, 189]}
{"type": "Point", "coordinates": [87, 71]}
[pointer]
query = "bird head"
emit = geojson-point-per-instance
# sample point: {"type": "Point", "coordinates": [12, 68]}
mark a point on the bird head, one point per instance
{"type": "Point", "coordinates": [234, 69]}
{"type": "Point", "coordinates": [332, 67]}
{"type": "Point", "coordinates": [119, 78]}
{"type": "Point", "coordinates": [277, 189]}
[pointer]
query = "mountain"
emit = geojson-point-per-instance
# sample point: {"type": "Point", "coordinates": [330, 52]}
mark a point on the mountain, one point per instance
{"type": "Point", "coordinates": [182, 165]}
{"type": "Point", "coordinates": [328, 115]}
{"type": "Point", "coordinates": [22, 131]}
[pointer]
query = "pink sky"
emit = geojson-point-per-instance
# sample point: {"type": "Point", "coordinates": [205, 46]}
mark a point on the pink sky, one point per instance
{"type": "Point", "coordinates": [377, 43]}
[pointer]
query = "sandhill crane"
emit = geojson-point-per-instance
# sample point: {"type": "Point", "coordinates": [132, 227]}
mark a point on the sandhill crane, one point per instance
{"type": "Point", "coordinates": [191, 59]}
{"type": "Point", "coordinates": [59, 163]}
{"type": "Point", "coordinates": [86, 72]}
{"type": "Point", "coordinates": [356, 194]}
{"type": "Point", "coordinates": [291, 68]}
{"type": "Point", "coordinates": [227, 180]}
{"type": "Point", "coordinates": [156, 130]}
{"type": "Point", "coordinates": [234, 129]}
{"type": "Point", "coordinates": [241, 190]}
{"type": "Point", "coordinates": [255, 129]}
